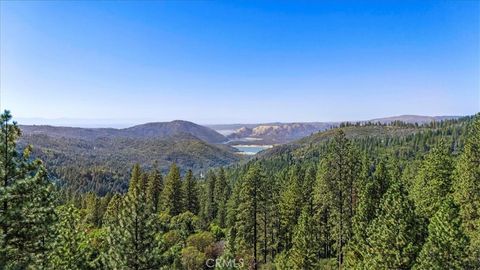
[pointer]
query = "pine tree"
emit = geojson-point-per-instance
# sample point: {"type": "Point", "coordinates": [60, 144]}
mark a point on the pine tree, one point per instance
{"type": "Point", "coordinates": [154, 188]}
{"type": "Point", "coordinates": [113, 210]}
{"type": "Point", "coordinates": [210, 204]}
{"type": "Point", "coordinates": [433, 181]}
{"type": "Point", "coordinates": [445, 247]}
{"type": "Point", "coordinates": [132, 240]}
{"type": "Point", "coordinates": [323, 211]}
{"type": "Point", "coordinates": [190, 190]}
{"type": "Point", "coordinates": [93, 210]}
{"type": "Point", "coordinates": [221, 194]}
{"type": "Point", "coordinates": [303, 254]}
{"type": "Point", "coordinates": [467, 190]}
{"type": "Point", "coordinates": [290, 205]}
{"type": "Point", "coordinates": [172, 195]}
{"type": "Point", "coordinates": [135, 179]}
{"type": "Point", "coordinates": [70, 250]}
{"type": "Point", "coordinates": [27, 201]}
{"type": "Point", "coordinates": [394, 233]}
{"type": "Point", "coordinates": [339, 170]}
{"type": "Point", "coordinates": [248, 212]}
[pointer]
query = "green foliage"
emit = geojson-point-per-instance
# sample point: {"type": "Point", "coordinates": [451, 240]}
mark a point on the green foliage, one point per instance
{"type": "Point", "coordinates": [307, 205]}
{"type": "Point", "coordinates": [338, 173]}
{"type": "Point", "coordinates": [248, 212]}
{"type": "Point", "coordinates": [446, 244]}
{"type": "Point", "coordinates": [70, 248]}
{"type": "Point", "coordinates": [433, 181]}
{"type": "Point", "coordinates": [172, 195]}
{"type": "Point", "coordinates": [394, 234]}
{"type": "Point", "coordinates": [93, 210]}
{"type": "Point", "coordinates": [27, 201]}
{"type": "Point", "coordinates": [467, 190]}
{"type": "Point", "coordinates": [154, 189]}
{"type": "Point", "coordinates": [190, 190]}
{"type": "Point", "coordinates": [303, 254]}
{"type": "Point", "coordinates": [221, 194]}
{"type": "Point", "coordinates": [132, 240]}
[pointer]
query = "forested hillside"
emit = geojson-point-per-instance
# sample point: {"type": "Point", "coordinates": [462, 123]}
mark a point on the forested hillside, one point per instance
{"type": "Point", "coordinates": [361, 196]}
{"type": "Point", "coordinates": [99, 160]}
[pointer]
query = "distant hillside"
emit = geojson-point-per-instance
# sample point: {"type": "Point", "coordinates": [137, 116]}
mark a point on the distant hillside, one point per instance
{"type": "Point", "coordinates": [280, 133]}
{"type": "Point", "coordinates": [119, 152]}
{"type": "Point", "coordinates": [149, 130]}
{"type": "Point", "coordinates": [77, 161]}
{"type": "Point", "coordinates": [370, 131]}
{"type": "Point", "coordinates": [420, 119]}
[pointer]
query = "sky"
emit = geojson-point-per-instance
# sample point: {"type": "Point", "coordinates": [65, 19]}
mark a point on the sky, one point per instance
{"type": "Point", "coordinates": [106, 63]}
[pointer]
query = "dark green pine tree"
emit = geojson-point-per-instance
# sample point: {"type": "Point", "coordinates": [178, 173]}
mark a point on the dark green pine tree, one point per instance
{"type": "Point", "coordinates": [209, 202]}
{"type": "Point", "coordinates": [190, 190]}
{"type": "Point", "coordinates": [323, 216]}
{"type": "Point", "coordinates": [93, 211]}
{"type": "Point", "coordinates": [290, 206]}
{"type": "Point", "coordinates": [221, 195]}
{"type": "Point", "coordinates": [248, 213]}
{"type": "Point", "coordinates": [394, 233]}
{"type": "Point", "coordinates": [172, 195]}
{"type": "Point", "coordinates": [131, 239]}
{"type": "Point", "coordinates": [135, 179]}
{"type": "Point", "coordinates": [113, 210]}
{"type": "Point", "coordinates": [467, 190]}
{"type": "Point", "coordinates": [70, 249]}
{"type": "Point", "coordinates": [27, 202]}
{"type": "Point", "coordinates": [370, 192]}
{"type": "Point", "coordinates": [338, 173]}
{"type": "Point", "coordinates": [446, 244]}
{"type": "Point", "coordinates": [433, 181]}
{"type": "Point", "coordinates": [304, 252]}
{"type": "Point", "coordinates": [154, 188]}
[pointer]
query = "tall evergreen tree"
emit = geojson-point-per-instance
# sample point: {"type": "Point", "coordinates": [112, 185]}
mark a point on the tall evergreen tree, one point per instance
{"type": "Point", "coordinates": [154, 188]}
{"type": "Point", "coordinates": [303, 255]}
{"type": "Point", "coordinates": [446, 245]}
{"type": "Point", "coordinates": [113, 210]}
{"type": "Point", "coordinates": [290, 205]}
{"type": "Point", "coordinates": [210, 204]}
{"type": "Point", "coordinates": [135, 178]}
{"type": "Point", "coordinates": [70, 250]}
{"type": "Point", "coordinates": [131, 240]}
{"type": "Point", "coordinates": [221, 194]}
{"type": "Point", "coordinates": [93, 211]}
{"type": "Point", "coordinates": [433, 181]}
{"type": "Point", "coordinates": [248, 212]}
{"type": "Point", "coordinates": [26, 203]}
{"type": "Point", "coordinates": [467, 189]}
{"type": "Point", "coordinates": [339, 170]}
{"type": "Point", "coordinates": [394, 234]}
{"type": "Point", "coordinates": [172, 195]}
{"type": "Point", "coordinates": [190, 190]}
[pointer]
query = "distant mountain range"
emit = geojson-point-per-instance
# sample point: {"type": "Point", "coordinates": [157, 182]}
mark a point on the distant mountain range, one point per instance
{"type": "Point", "coordinates": [413, 119]}
{"type": "Point", "coordinates": [83, 153]}
{"type": "Point", "coordinates": [280, 133]}
{"type": "Point", "coordinates": [148, 130]}
{"type": "Point", "coordinates": [189, 145]}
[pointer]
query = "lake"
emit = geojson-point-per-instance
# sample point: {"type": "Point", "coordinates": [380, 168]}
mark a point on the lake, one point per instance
{"type": "Point", "coordinates": [251, 149]}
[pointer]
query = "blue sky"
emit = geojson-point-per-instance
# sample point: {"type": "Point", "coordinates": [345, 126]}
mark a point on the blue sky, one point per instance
{"type": "Point", "coordinates": [239, 61]}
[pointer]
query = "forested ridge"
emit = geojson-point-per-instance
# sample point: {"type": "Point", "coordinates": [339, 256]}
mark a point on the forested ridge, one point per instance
{"type": "Point", "coordinates": [361, 196]}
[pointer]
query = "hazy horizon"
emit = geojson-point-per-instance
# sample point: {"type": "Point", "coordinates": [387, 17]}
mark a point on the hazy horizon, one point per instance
{"type": "Point", "coordinates": [239, 62]}
{"type": "Point", "coordinates": [118, 123]}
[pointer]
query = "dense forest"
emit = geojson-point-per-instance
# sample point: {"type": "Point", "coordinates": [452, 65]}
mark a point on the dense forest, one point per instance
{"type": "Point", "coordinates": [360, 196]}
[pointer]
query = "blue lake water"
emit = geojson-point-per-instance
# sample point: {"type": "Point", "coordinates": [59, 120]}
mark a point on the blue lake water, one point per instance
{"type": "Point", "coordinates": [251, 149]}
